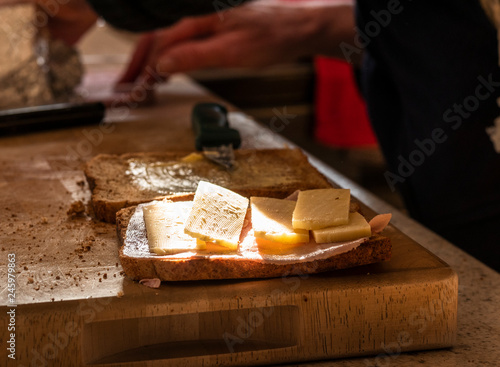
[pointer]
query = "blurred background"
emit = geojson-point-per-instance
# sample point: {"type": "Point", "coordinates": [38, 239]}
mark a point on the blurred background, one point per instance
{"type": "Point", "coordinates": [313, 105]}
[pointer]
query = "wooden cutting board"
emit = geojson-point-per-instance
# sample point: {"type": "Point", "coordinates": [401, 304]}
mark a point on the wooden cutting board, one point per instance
{"type": "Point", "coordinates": [74, 307]}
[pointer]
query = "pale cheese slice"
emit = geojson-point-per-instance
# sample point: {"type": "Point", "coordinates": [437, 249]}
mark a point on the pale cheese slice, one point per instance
{"type": "Point", "coordinates": [217, 215]}
{"type": "Point", "coordinates": [321, 208]}
{"type": "Point", "coordinates": [272, 220]}
{"type": "Point", "coordinates": [164, 227]}
{"type": "Point", "coordinates": [357, 228]}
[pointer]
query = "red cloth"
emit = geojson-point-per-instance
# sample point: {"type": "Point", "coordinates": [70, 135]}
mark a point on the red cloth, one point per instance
{"type": "Point", "coordinates": [341, 116]}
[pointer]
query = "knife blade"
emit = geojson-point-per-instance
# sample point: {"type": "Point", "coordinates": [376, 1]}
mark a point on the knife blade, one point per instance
{"type": "Point", "coordinates": [47, 117]}
{"type": "Point", "coordinates": [213, 135]}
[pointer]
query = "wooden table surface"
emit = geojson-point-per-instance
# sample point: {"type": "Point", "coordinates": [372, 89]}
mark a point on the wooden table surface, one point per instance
{"type": "Point", "coordinates": [56, 158]}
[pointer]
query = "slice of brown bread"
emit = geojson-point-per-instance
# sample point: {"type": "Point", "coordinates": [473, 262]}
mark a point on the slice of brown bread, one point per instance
{"type": "Point", "coordinates": [138, 263]}
{"type": "Point", "coordinates": [119, 181]}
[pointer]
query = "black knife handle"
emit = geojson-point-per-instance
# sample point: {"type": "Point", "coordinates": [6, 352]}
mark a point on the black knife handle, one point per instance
{"type": "Point", "coordinates": [47, 117]}
{"type": "Point", "coordinates": [211, 127]}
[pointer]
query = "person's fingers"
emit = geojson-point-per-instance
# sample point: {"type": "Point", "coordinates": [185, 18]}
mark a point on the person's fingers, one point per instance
{"type": "Point", "coordinates": [189, 28]}
{"type": "Point", "coordinates": [182, 32]}
{"type": "Point", "coordinates": [138, 60]}
{"type": "Point", "coordinates": [235, 48]}
{"type": "Point", "coordinates": [193, 55]}
{"type": "Point", "coordinates": [142, 66]}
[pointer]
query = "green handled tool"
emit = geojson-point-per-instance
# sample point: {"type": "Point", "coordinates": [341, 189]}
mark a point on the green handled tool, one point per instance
{"type": "Point", "coordinates": [213, 135]}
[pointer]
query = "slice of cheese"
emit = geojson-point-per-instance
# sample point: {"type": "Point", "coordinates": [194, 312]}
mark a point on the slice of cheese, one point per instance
{"type": "Point", "coordinates": [165, 227]}
{"type": "Point", "coordinates": [272, 220]}
{"type": "Point", "coordinates": [202, 245]}
{"type": "Point", "coordinates": [321, 208]}
{"type": "Point", "coordinates": [217, 215]}
{"type": "Point", "coordinates": [357, 227]}
{"type": "Point", "coordinates": [275, 248]}
{"type": "Point", "coordinates": [207, 248]}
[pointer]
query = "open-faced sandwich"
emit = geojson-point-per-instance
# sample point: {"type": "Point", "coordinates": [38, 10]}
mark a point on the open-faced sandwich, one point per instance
{"type": "Point", "coordinates": [220, 234]}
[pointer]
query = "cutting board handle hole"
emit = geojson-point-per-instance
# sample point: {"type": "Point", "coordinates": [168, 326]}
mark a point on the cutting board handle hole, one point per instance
{"type": "Point", "coordinates": [190, 335]}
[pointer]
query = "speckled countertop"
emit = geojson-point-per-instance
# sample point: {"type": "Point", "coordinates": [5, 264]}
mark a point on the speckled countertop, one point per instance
{"type": "Point", "coordinates": [478, 336]}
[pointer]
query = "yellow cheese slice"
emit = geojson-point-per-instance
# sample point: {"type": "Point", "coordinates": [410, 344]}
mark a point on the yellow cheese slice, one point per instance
{"type": "Point", "coordinates": [207, 248]}
{"type": "Point", "coordinates": [357, 227]}
{"type": "Point", "coordinates": [321, 208]}
{"type": "Point", "coordinates": [272, 220]}
{"type": "Point", "coordinates": [275, 248]}
{"type": "Point", "coordinates": [164, 227]}
{"type": "Point", "coordinates": [217, 215]}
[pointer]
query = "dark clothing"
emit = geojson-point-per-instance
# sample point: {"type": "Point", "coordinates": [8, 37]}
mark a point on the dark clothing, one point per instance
{"type": "Point", "coordinates": [147, 15]}
{"type": "Point", "coordinates": [431, 80]}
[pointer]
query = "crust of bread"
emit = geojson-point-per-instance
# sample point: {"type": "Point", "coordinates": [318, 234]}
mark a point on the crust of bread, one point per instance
{"type": "Point", "coordinates": [113, 190]}
{"type": "Point", "coordinates": [375, 249]}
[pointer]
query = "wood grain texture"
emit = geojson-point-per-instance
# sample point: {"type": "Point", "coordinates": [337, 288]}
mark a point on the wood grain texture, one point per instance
{"type": "Point", "coordinates": [75, 307]}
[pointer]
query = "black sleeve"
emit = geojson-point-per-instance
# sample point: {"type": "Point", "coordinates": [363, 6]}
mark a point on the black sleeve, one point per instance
{"type": "Point", "coordinates": [146, 15]}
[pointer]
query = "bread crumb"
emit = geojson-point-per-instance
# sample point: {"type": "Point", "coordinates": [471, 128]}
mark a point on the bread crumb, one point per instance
{"type": "Point", "coordinates": [31, 280]}
{"type": "Point", "coordinates": [119, 294]}
{"type": "Point", "coordinates": [76, 209]}
{"type": "Point", "coordinates": [85, 246]}
{"type": "Point", "coordinates": [44, 220]}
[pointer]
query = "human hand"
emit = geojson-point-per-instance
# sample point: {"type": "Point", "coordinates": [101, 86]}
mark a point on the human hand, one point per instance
{"type": "Point", "coordinates": [251, 35]}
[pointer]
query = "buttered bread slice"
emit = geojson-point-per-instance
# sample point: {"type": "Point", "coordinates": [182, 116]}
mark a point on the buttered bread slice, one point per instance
{"type": "Point", "coordinates": [119, 181]}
